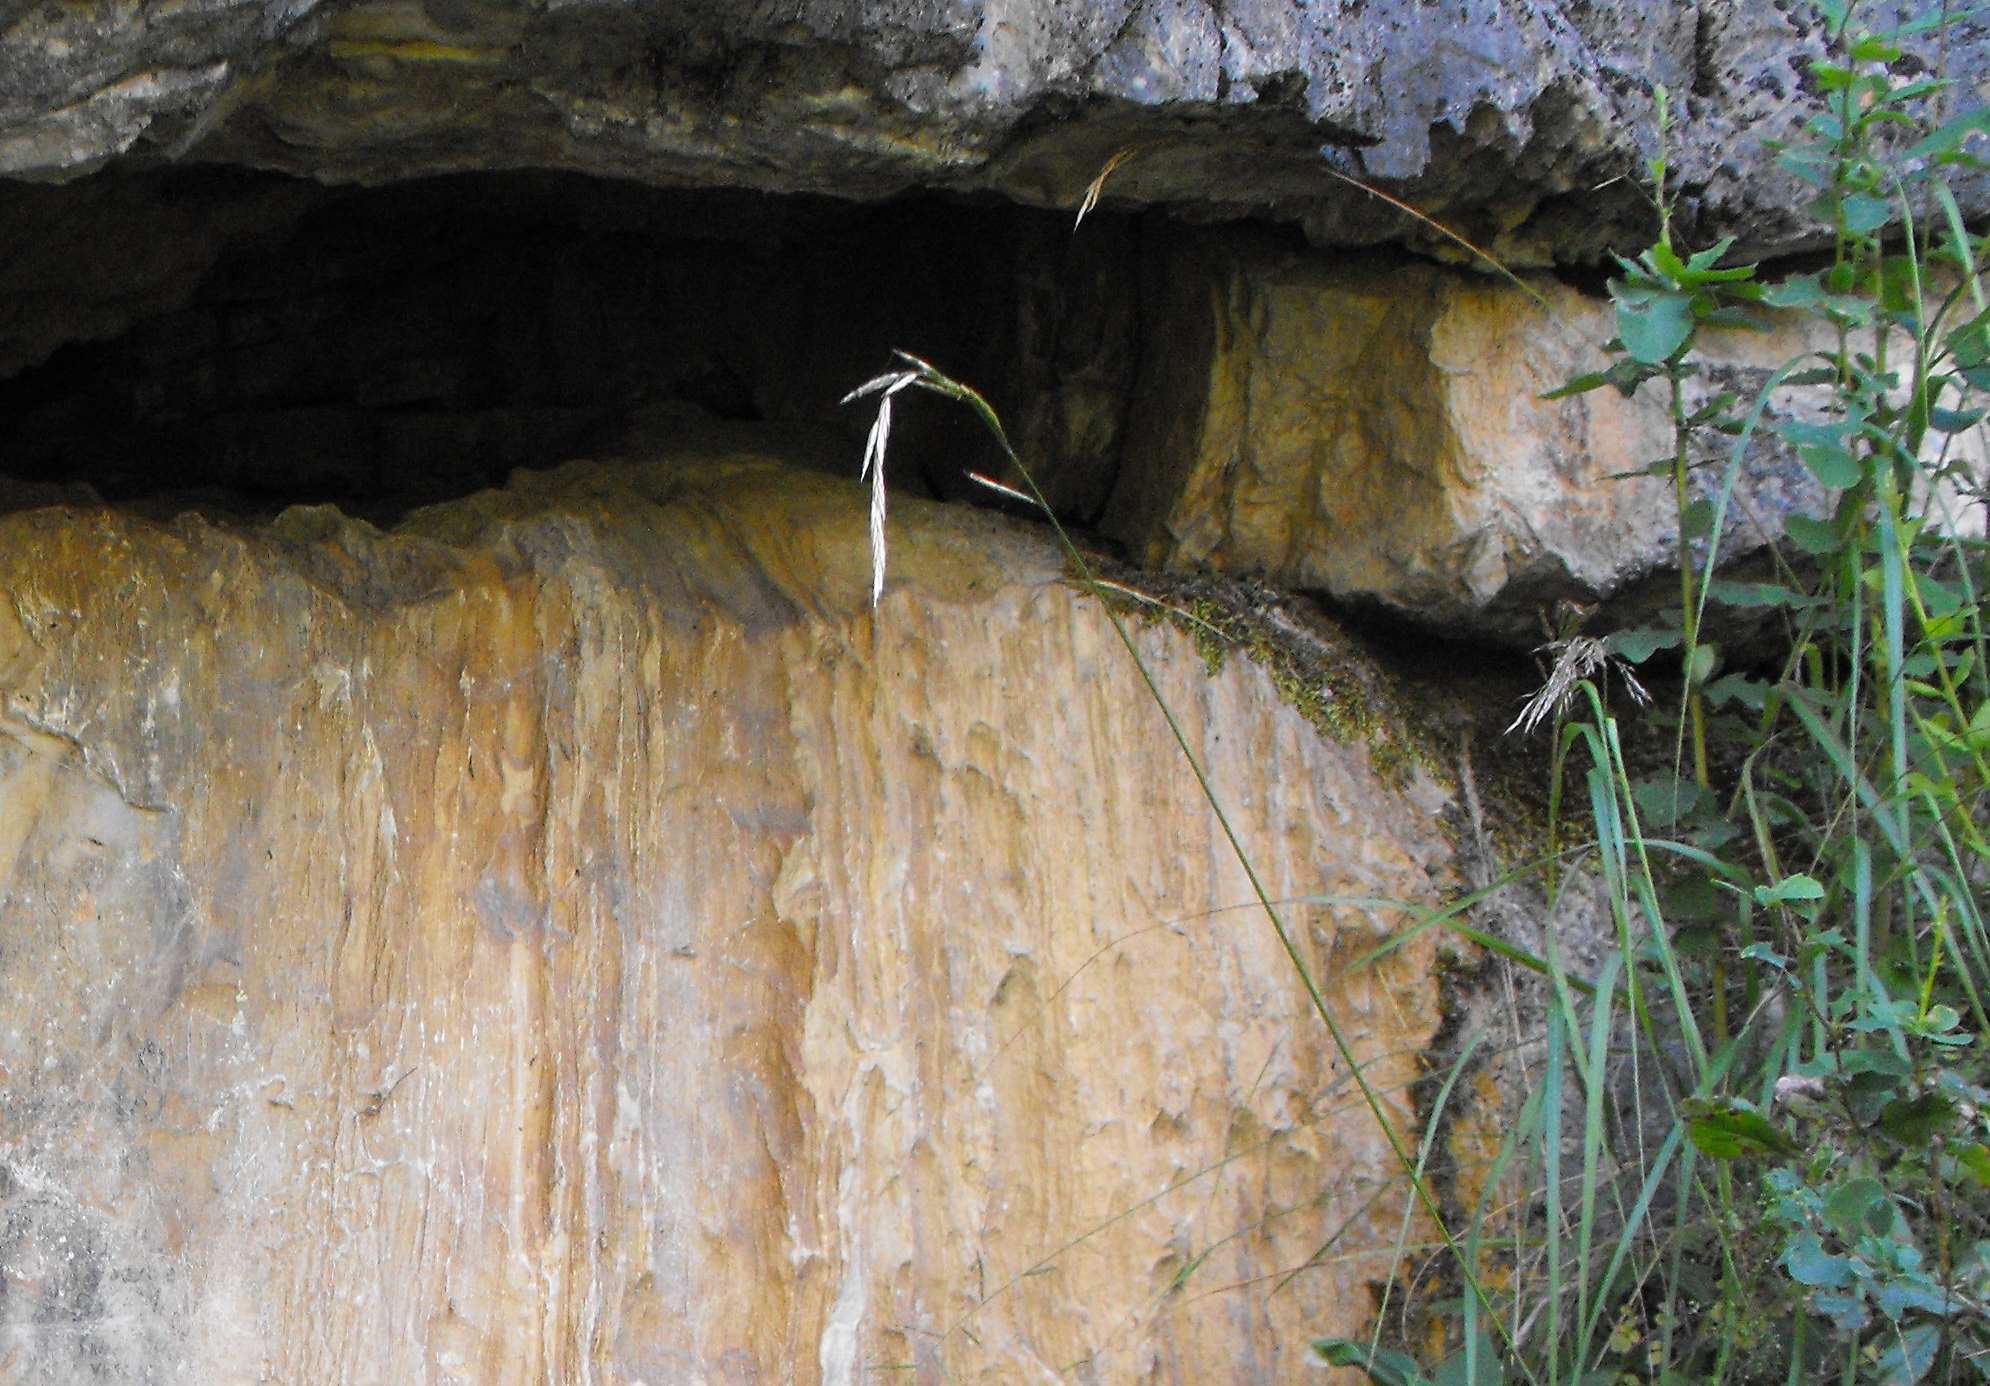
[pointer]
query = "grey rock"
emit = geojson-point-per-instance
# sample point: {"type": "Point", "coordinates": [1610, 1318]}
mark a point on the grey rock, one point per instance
{"type": "Point", "coordinates": [1526, 125]}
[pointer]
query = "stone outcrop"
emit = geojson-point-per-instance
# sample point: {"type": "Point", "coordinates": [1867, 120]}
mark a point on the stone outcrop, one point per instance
{"type": "Point", "coordinates": [566, 934]}
{"type": "Point", "coordinates": [1377, 431]}
{"type": "Point", "coordinates": [1513, 119]}
{"type": "Point", "coordinates": [572, 938]}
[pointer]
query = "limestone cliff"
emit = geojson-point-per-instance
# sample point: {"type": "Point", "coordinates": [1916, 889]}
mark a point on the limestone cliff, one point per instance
{"type": "Point", "coordinates": [572, 938]}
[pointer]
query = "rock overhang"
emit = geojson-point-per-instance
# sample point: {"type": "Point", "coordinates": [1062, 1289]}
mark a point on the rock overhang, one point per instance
{"type": "Point", "coordinates": [1519, 123]}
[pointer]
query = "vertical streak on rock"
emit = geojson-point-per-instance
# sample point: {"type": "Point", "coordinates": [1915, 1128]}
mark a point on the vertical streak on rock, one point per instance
{"type": "Point", "coordinates": [513, 907]}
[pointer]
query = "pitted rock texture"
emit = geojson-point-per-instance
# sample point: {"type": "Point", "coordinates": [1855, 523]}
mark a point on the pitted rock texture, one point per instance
{"type": "Point", "coordinates": [1510, 119]}
{"type": "Point", "coordinates": [1377, 431]}
{"type": "Point", "coordinates": [572, 938]}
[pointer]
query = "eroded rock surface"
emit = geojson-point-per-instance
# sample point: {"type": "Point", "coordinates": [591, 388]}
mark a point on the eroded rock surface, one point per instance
{"type": "Point", "coordinates": [571, 938]}
{"type": "Point", "coordinates": [1513, 119]}
{"type": "Point", "coordinates": [1376, 431]}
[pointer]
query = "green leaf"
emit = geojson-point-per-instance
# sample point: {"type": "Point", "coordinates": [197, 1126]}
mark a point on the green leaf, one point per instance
{"type": "Point", "coordinates": [1909, 92]}
{"type": "Point", "coordinates": [1703, 260]}
{"type": "Point", "coordinates": [1808, 167]}
{"type": "Point", "coordinates": [1809, 1264]}
{"type": "Point", "coordinates": [1652, 326]}
{"type": "Point", "coordinates": [1715, 413]}
{"type": "Point", "coordinates": [1945, 141]}
{"type": "Point", "coordinates": [1954, 421]}
{"type": "Point", "coordinates": [1798, 291]}
{"type": "Point", "coordinates": [1940, 598]}
{"type": "Point", "coordinates": [1846, 1312]}
{"type": "Point", "coordinates": [1914, 1121]}
{"type": "Point", "coordinates": [1884, 1014]}
{"type": "Point", "coordinates": [1865, 214]}
{"type": "Point", "coordinates": [1738, 688]}
{"type": "Point", "coordinates": [1796, 887]}
{"type": "Point", "coordinates": [1911, 1357]}
{"type": "Point", "coordinates": [1639, 644]}
{"type": "Point", "coordinates": [1859, 1206]}
{"type": "Point", "coordinates": [1484, 1370]}
{"type": "Point", "coordinates": [1898, 1297]}
{"type": "Point", "coordinates": [1664, 802]}
{"type": "Point", "coordinates": [1883, 1062]}
{"type": "Point", "coordinates": [1814, 537]}
{"type": "Point", "coordinates": [1732, 593]}
{"type": "Point", "coordinates": [1971, 342]}
{"type": "Point", "coordinates": [1580, 385]}
{"type": "Point", "coordinates": [1729, 1128]}
{"type": "Point", "coordinates": [1763, 953]}
{"type": "Point", "coordinates": [1832, 465]}
{"type": "Point", "coordinates": [1697, 520]}
{"type": "Point", "coordinates": [1803, 433]}
{"type": "Point", "coordinates": [1385, 1366]}
{"type": "Point", "coordinates": [1704, 664]}
{"type": "Point", "coordinates": [1658, 466]}
{"type": "Point", "coordinates": [1664, 262]}
{"type": "Point", "coordinates": [1974, 1161]}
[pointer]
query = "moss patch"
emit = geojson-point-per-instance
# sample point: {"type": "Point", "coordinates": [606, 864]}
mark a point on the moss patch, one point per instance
{"type": "Point", "coordinates": [1317, 668]}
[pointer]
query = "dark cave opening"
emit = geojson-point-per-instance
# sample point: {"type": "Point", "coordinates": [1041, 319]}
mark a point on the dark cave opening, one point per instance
{"type": "Point", "coordinates": [238, 342]}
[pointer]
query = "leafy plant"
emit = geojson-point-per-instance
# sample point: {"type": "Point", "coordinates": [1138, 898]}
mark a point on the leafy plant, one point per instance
{"type": "Point", "coordinates": [1799, 897]}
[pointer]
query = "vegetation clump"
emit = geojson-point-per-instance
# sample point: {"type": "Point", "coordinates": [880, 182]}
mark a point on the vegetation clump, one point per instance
{"type": "Point", "coordinates": [1318, 671]}
{"type": "Point", "coordinates": [1757, 1145]}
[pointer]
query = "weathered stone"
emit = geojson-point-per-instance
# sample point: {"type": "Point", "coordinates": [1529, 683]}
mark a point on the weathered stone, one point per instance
{"type": "Point", "coordinates": [1526, 123]}
{"type": "Point", "coordinates": [1376, 431]}
{"type": "Point", "coordinates": [572, 938]}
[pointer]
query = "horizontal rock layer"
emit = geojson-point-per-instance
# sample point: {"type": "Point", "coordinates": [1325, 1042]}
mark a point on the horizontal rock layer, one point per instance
{"type": "Point", "coordinates": [571, 938]}
{"type": "Point", "coordinates": [1527, 123]}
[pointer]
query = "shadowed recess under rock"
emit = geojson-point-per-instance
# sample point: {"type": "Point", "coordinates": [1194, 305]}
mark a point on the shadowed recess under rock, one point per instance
{"type": "Point", "coordinates": [388, 348]}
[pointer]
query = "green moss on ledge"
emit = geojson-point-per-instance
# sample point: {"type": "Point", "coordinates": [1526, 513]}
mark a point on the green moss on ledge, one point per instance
{"type": "Point", "coordinates": [1317, 668]}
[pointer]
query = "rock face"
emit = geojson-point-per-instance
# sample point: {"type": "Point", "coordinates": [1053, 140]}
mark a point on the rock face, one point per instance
{"type": "Point", "coordinates": [571, 938]}
{"type": "Point", "coordinates": [1376, 431]}
{"type": "Point", "coordinates": [1503, 116]}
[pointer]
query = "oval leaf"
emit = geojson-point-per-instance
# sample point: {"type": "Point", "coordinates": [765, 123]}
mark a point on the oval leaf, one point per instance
{"type": "Point", "coordinates": [1728, 1128]}
{"type": "Point", "coordinates": [1654, 328]}
{"type": "Point", "coordinates": [1809, 1264]}
{"type": "Point", "coordinates": [1797, 887]}
{"type": "Point", "coordinates": [1385, 1366]}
